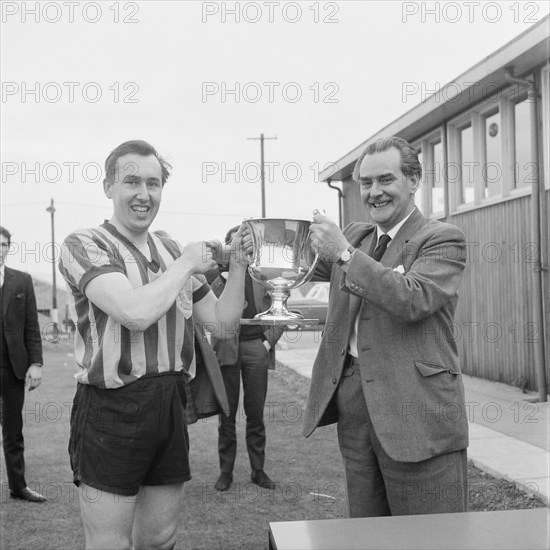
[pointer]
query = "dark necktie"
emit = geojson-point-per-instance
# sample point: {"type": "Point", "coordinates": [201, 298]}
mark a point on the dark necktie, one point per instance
{"type": "Point", "coordinates": [381, 247]}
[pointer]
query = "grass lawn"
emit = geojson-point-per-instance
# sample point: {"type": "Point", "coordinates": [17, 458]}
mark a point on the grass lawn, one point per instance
{"type": "Point", "coordinates": [309, 472]}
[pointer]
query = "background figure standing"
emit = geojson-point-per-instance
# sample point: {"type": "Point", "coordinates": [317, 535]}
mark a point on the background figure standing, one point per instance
{"type": "Point", "coordinates": [20, 366]}
{"type": "Point", "coordinates": [248, 355]}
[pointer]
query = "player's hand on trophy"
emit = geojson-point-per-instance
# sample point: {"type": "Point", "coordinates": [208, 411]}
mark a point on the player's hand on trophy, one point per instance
{"type": "Point", "coordinates": [221, 253]}
{"type": "Point", "coordinates": [247, 245]}
{"type": "Point", "coordinates": [199, 256]}
{"type": "Point", "coordinates": [327, 238]}
{"type": "Point", "coordinates": [241, 242]}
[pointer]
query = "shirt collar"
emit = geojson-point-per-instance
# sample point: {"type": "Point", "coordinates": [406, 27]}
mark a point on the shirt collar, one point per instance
{"type": "Point", "coordinates": [393, 231]}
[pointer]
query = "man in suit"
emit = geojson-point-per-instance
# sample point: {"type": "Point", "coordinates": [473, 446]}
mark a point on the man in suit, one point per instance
{"type": "Point", "coordinates": [249, 354]}
{"type": "Point", "coordinates": [387, 370]}
{"type": "Point", "coordinates": [20, 366]}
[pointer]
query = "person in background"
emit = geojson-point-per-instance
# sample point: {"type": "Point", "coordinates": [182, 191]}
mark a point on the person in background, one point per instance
{"type": "Point", "coordinates": [20, 366]}
{"type": "Point", "coordinates": [247, 354]}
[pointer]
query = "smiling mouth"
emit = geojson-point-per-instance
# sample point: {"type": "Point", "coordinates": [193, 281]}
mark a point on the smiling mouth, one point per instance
{"type": "Point", "coordinates": [140, 209]}
{"type": "Point", "coordinates": [377, 205]}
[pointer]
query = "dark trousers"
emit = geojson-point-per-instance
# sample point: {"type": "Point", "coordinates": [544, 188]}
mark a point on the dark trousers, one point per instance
{"type": "Point", "coordinates": [252, 368]}
{"type": "Point", "coordinates": [376, 484]}
{"type": "Point", "coordinates": [12, 397]}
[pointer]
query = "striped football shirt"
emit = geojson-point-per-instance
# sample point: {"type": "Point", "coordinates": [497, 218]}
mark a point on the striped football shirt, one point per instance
{"type": "Point", "coordinates": [111, 355]}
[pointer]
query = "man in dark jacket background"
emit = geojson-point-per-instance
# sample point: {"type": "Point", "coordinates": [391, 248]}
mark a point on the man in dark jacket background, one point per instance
{"type": "Point", "coordinates": [20, 366]}
{"type": "Point", "coordinates": [248, 355]}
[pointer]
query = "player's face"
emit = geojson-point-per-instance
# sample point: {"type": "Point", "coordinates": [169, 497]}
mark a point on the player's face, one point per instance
{"type": "Point", "coordinates": [136, 192]}
{"type": "Point", "coordinates": [388, 195]}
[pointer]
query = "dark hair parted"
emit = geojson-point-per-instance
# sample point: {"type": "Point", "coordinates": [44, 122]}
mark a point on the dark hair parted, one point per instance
{"type": "Point", "coordinates": [410, 165]}
{"type": "Point", "coordinates": [135, 147]}
{"type": "Point", "coordinates": [5, 233]}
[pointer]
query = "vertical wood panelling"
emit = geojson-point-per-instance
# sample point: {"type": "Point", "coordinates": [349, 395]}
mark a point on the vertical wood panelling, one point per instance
{"type": "Point", "coordinates": [494, 316]}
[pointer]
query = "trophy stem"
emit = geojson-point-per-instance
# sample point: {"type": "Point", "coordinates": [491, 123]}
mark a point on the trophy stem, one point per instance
{"type": "Point", "coordinates": [278, 313]}
{"type": "Point", "coordinates": [278, 308]}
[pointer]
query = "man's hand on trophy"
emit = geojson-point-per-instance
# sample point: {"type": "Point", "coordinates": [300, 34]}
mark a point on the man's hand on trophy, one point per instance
{"type": "Point", "coordinates": [327, 238]}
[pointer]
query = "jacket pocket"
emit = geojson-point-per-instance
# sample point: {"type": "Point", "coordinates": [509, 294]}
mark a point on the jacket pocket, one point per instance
{"type": "Point", "coordinates": [429, 369]}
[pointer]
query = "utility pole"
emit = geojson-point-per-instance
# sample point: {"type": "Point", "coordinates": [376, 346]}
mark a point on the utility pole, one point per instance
{"type": "Point", "coordinates": [53, 316]}
{"type": "Point", "coordinates": [262, 170]}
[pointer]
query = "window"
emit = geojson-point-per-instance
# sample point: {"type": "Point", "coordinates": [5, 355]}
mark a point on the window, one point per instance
{"type": "Point", "coordinates": [430, 197]}
{"type": "Point", "coordinates": [418, 195]}
{"type": "Point", "coordinates": [492, 167]}
{"type": "Point", "coordinates": [437, 190]}
{"type": "Point", "coordinates": [523, 161]}
{"type": "Point", "coordinates": [465, 165]}
{"type": "Point", "coordinates": [545, 113]}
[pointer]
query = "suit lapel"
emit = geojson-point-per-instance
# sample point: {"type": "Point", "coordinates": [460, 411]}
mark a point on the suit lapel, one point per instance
{"type": "Point", "coordinates": [406, 232]}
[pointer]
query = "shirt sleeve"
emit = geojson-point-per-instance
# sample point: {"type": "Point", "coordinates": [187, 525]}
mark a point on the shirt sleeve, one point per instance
{"type": "Point", "coordinates": [200, 287]}
{"type": "Point", "coordinates": [85, 255]}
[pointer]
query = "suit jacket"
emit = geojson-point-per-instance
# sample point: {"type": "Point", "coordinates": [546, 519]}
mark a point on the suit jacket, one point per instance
{"type": "Point", "coordinates": [408, 357]}
{"type": "Point", "coordinates": [206, 395]}
{"type": "Point", "coordinates": [20, 321]}
{"type": "Point", "coordinates": [227, 351]}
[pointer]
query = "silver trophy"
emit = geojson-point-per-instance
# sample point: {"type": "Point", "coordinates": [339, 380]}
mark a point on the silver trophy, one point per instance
{"type": "Point", "coordinates": [282, 259]}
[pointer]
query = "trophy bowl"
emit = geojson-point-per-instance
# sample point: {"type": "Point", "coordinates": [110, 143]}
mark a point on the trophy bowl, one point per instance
{"type": "Point", "coordinates": [282, 259]}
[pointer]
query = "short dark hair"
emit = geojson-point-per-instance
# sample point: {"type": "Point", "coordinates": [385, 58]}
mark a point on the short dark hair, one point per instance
{"type": "Point", "coordinates": [410, 165]}
{"type": "Point", "coordinates": [5, 233]}
{"type": "Point", "coordinates": [137, 147]}
{"type": "Point", "coordinates": [229, 234]}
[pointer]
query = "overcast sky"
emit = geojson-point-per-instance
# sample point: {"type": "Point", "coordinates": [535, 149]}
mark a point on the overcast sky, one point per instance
{"type": "Point", "coordinates": [197, 79]}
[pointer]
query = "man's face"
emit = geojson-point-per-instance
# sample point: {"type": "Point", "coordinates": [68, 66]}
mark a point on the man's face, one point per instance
{"type": "Point", "coordinates": [136, 191]}
{"type": "Point", "coordinates": [5, 247]}
{"type": "Point", "coordinates": [387, 194]}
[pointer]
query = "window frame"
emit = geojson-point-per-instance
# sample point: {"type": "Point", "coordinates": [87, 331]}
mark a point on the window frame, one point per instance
{"type": "Point", "coordinates": [426, 144]}
{"type": "Point", "coordinates": [475, 117]}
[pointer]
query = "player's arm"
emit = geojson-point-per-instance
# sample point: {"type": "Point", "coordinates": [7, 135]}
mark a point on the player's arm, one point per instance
{"type": "Point", "coordinates": [138, 308]}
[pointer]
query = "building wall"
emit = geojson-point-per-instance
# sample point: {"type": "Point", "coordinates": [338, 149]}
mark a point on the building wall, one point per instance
{"type": "Point", "coordinates": [495, 327]}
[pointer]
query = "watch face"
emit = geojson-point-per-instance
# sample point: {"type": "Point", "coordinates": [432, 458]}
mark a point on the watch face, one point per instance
{"type": "Point", "coordinates": [345, 256]}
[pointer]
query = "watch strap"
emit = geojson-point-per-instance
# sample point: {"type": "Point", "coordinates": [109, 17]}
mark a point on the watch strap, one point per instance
{"type": "Point", "coordinates": [340, 261]}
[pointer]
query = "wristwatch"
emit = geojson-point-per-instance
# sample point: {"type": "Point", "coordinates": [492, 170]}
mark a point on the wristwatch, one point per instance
{"type": "Point", "coordinates": [345, 257]}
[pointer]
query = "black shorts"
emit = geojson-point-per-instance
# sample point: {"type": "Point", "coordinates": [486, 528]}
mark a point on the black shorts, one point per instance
{"type": "Point", "coordinates": [131, 436]}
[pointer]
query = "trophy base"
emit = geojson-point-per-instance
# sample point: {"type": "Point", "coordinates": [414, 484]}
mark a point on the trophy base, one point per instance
{"type": "Point", "coordinates": [279, 321]}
